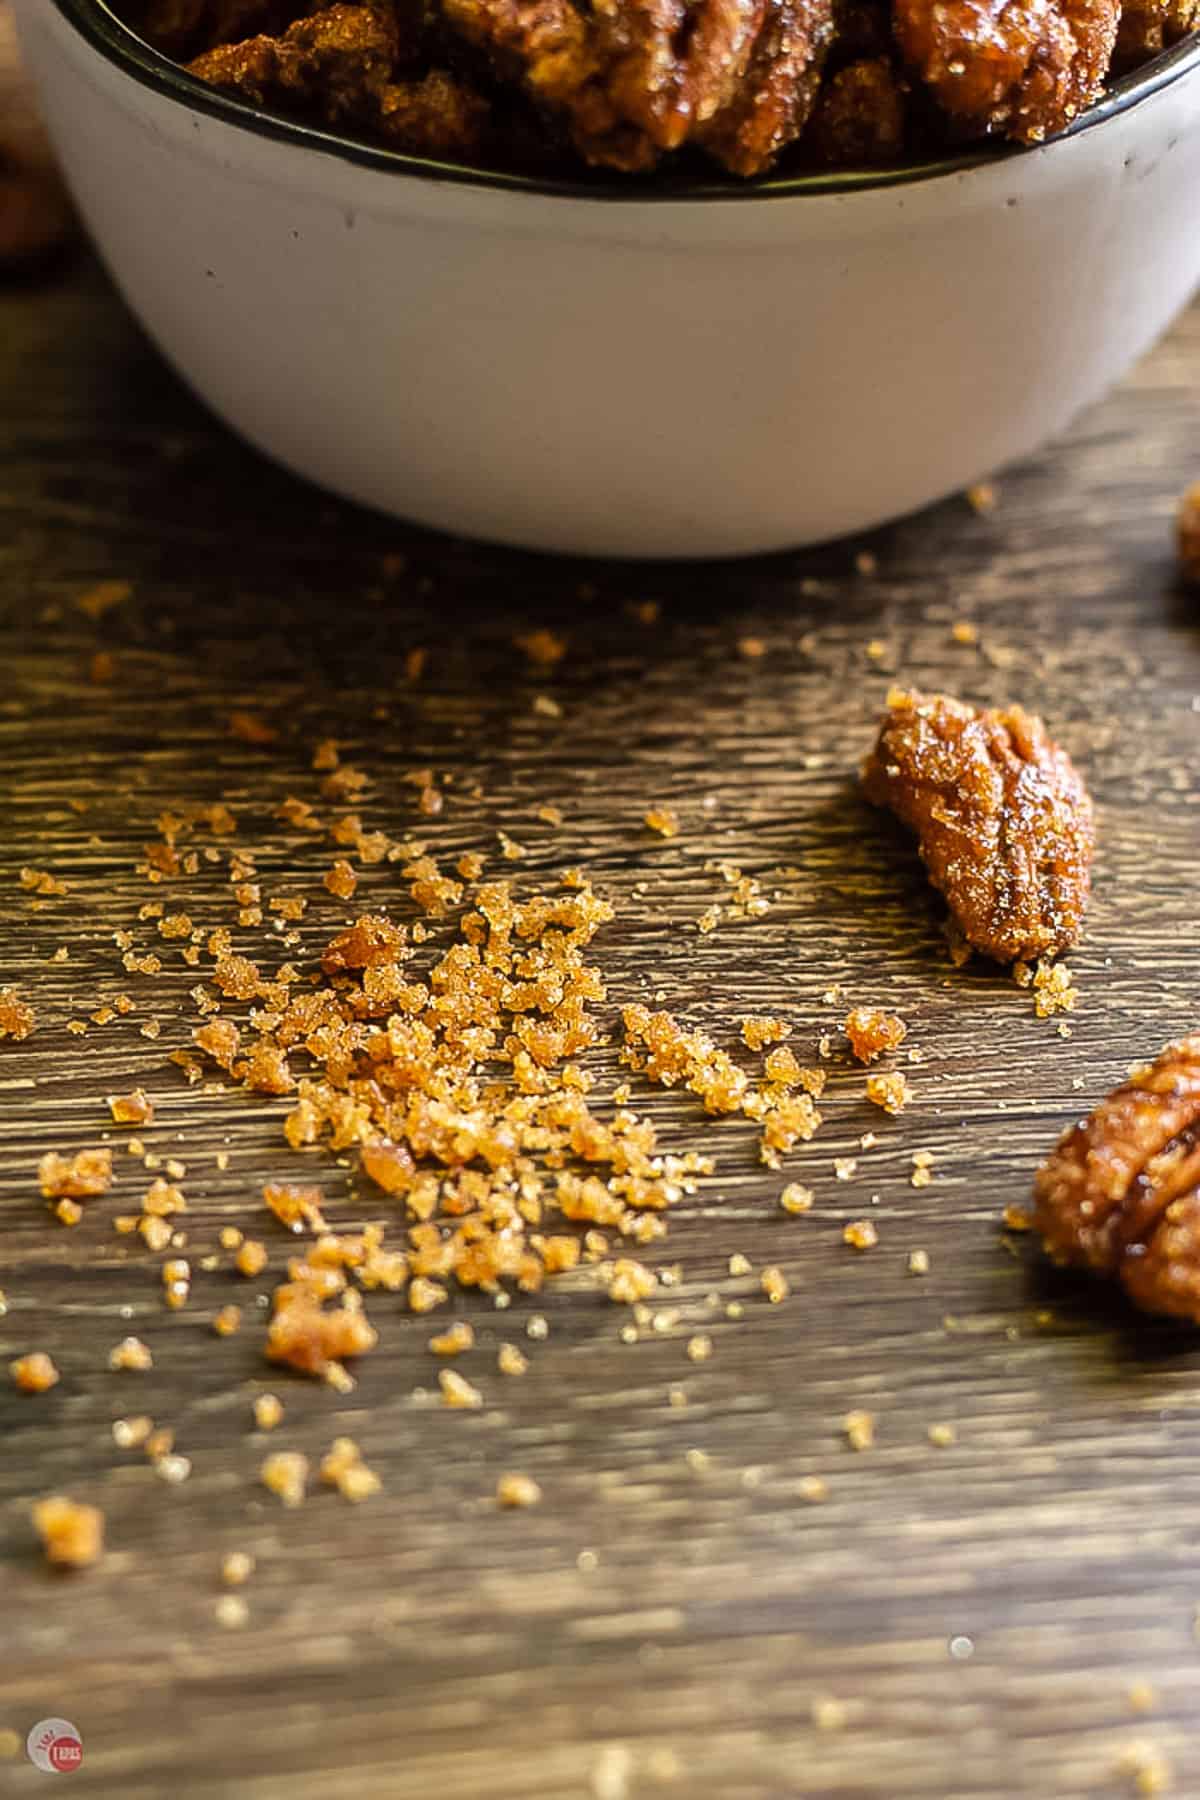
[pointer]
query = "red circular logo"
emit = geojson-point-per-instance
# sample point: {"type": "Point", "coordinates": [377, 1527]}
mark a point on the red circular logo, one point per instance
{"type": "Point", "coordinates": [65, 1753]}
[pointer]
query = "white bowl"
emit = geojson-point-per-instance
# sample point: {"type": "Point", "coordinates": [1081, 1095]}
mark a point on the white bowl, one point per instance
{"type": "Point", "coordinates": [699, 373]}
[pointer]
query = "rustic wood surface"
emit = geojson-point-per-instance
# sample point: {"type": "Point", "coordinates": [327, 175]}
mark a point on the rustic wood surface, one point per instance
{"type": "Point", "coordinates": [673, 1613]}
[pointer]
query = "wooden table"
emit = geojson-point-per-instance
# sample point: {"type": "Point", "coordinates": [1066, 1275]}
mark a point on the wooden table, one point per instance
{"type": "Point", "coordinates": [676, 1616]}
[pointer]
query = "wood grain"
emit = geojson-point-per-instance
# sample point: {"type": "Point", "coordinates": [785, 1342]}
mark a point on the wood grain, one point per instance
{"type": "Point", "coordinates": [666, 1620]}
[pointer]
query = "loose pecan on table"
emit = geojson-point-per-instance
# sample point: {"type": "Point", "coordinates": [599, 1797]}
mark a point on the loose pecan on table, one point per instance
{"type": "Point", "coordinates": [1003, 821]}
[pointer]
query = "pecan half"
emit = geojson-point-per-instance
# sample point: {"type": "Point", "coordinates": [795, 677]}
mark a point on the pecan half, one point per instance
{"type": "Point", "coordinates": [1120, 1195]}
{"type": "Point", "coordinates": [1003, 820]}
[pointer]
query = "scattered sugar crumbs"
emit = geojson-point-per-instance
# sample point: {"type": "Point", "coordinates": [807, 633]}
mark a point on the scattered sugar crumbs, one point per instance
{"type": "Point", "coordinates": [891, 1091]}
{"type": "Point", "coordinates": [343, 1467]}
{"type": "Point", "coordinates": [285, 1473]}
{"type": "Point", "coordinates": [17, 1018]}
{"type": "Point", "coordinates": [922, 1168]}
{"type": "Point", "coordinates": [873, 1032]}
{"type": "Point", "coordinates": [134, 1108]}
{"type": "Point", "coordinates": [860, 1234]}
{"type": "Point", "coordinates": [859, 1429]}
{"type": "Point", "coordinates": [516, 1490]}
{"type": "Point", "coordinates": [1147, 1768]}
{"type": "Point", "coordinates": [72, 1534]}
{"type": "Point", "coordinates": [79, 1177]}
{"type": "Point", "coordinates": [662, 819]}
{"type": "Point", "coordinates": [35, 1373]}
{"type": "Point", "coordinates": [1053, 987]}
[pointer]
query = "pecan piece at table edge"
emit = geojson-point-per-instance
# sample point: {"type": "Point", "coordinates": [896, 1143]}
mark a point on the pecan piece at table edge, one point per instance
{"type": "Point", "coordinates": [1120, 1193]}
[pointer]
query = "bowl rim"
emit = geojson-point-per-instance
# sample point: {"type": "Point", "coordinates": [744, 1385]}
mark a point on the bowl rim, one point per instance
{"type": "Point", "coordinates": [119, 44]}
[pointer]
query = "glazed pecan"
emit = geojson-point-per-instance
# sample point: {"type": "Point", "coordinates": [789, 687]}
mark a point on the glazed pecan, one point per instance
{"type": "Point", "coordinates": [1009, 66]}
{"type": "Point", "coordinates": [861, 115]}
{"type": "Point", "coordinates": [1003, 820]}
{"type": "Point", "coordinates": [634, 80]}
{"type": "Point", "coordinates": [1188, 531]}
{"type": "Point", "coordinates": [1121, 1193]}
{"type": "Point", "coordinates": [1148, 26]}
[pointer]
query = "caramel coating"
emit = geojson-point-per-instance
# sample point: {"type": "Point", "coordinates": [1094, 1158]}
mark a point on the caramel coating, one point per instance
{"type": "Point", "coordinates": [1024, 68]}
{"type": "Point", "coordinates": [1003, 820]}
{"type": "Point", "coordinates": [1120, 1194]}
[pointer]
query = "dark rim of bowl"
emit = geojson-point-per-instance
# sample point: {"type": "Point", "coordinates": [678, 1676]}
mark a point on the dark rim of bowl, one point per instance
{"type": "Point", "coordinates": [120, 45]}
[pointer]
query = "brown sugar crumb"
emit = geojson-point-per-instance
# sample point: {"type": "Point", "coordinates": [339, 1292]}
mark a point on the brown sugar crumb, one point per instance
{"type": "Point", "coordinates": [390, 1166]}
{"type": "Point", "coordinates": [371, 940]}
{"type": "Point", "coordinates": [891, 1091]}
{"type": "Point", "coordinates": [228, 1321]}
{"type": "Point", "coordinates": [860, 1234]}
{"type": "Point", "coordinates": [81, 1177]}
{"type": "Point", "coordinates": [251, 1258]}
{"type": "Point", "coordinates": [42, 883]}
{"type": "Point", "coordinates": [177, 1281]}
{"type": "Point", "coordinates": [1120, 1194]}
{"type": "Point", "coordinates": [135, 1108]}
{"type": "Point", "coordinates": [963, 632]}
{"type": "Point", "coordinates": [1053, 989]}
{"type": "Point", "coordinates": [175, 925]}
{"type": "Point", "coordinates": [1148, 1769]}
{"type": "Point", "coordinates": [1017, 1219]}
{"type": "Point", "coordinates": [796, 1198]}
{"type": "Point", "coordinates": [873, 1032]}
{"type": "Point", "coordinates": [1188, 533]}
{"type": "Point", "coordinates": [102, 597]}
{"type": "Point", "coordinates": [285, 1472]}
{"type": "Point", "coordinates": [67, 1212]}
{"type": "Point", "coordinates": [454, 1340]}
{"type": "Point", "coordinates": [845, 1168]}
{"type": "Point", "coordinates": [1003, 821]}
{"type": "Point", "coordinates": [774, 1284]}
{"type": "Point", "coordinates": [752, 648]}
{"type": "Point", "coordinates": [341, 880]}
{"type": "Point", "coordinates": [131, 1434]}
{"type": "Point", "coordinates": [631, 1281]}
{"type": "Point", "coordinates": [663, 820]}
{"type": "Point", "coordinates": [313, 1337]}
{"type": "Point", "coordinates": [425, 1295]}
{"type": "Point", "coordinates": [251, 728]}
{"type": "Point", "coordinates": [813, 1489]}
{"type": "Point", "coordinates": [699, 1347]}
{"type": "Point", "coordinates": [470, 865]}
{"type": "Point", "coordinates": [1141, 1697]}
{"type": "Point", "coordinates": [859, 1428]}
{"type": "Point", "coordinates": [922, 1174]}
{"type": "Point", "coordinates": [981, 497]}
{"type": "Point", "coordinates": [342, 1467]}
{"type": "Point", "coordinates": [517, 1490]}
{"type": "Point", "coordinates": [237, 1568]}
{"type": "Point", "coordinates": [17, 1018]}
{"type": "Point", "coordinates": [456, 1391]}
{"type": "Point", "coordinates": [72, 1534]}
{"type": "Point", "coordinates": [757, 1033]}
{"type": "Point", "coordinates": [942, 1436]}
{"type": "Point", "coordinates": [154, 1231]}
{"type": "Point", "coordinates": [34, 1373]}
{"type": "Point", "coordinates": [268, 1412]}
{"type": "Point", "coordinates": [299, 1208]}
{"type": "Point", "coordinates": [543, 648]}
{"type": "Point", "coordinates": [510, 1360]}
{"type": "Point", "coordinates": [131, 1354]}
{"type": "Point", "coordinates": [918, 1262]}
{"type": "Point", "coordinates": [220, 1039]}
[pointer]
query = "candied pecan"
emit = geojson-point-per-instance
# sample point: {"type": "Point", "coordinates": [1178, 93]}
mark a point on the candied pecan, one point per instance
{"type": "Point", "coordinates": [1120, 1194]}
{"type": "Point", "coordinates": [860, 116]}
{"type": "Point", "coordinates": [771, 106]}
{"type": "Point", "coordinates": [337, 61]}
{"type": "Point", "coordinates": [1188, 533]}
{"type": "Point", "coordinates": [638, 78]}
{"type": "Point", "coordinates": [1003, 820]}
{"type": "Point", "coordinates": [1006, 65]}
{"type": "Point", "coordinates": [1148, 26]}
